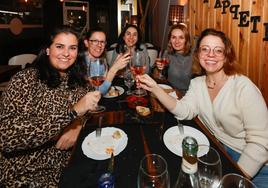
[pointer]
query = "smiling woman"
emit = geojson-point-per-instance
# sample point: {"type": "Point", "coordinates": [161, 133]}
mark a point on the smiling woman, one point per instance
{"type": "Point", "coordinates": [49, 98]}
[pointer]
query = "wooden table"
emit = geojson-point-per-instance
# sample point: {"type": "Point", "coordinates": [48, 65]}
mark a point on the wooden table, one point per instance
{"type": "Point", "coordinates": [144, 135]}
{"type": "Point", "coordinates": [7, 71]}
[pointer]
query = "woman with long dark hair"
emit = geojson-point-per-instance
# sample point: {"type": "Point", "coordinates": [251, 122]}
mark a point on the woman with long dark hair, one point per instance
{"type": "Point", "coordinates": [40, 113]}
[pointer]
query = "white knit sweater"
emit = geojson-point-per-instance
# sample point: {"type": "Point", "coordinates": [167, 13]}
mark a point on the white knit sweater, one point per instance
{"type": "Point", "coordinates": [238, 117]}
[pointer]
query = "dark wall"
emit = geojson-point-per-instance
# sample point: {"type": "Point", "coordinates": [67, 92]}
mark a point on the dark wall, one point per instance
{"type": "Point", "coordinates": [31, 40]}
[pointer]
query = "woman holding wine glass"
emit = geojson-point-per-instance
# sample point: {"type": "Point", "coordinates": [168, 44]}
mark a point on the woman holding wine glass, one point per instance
{"type": "Point", "coordinates": [95, 41]}
{"type": "Point", "coordinates": [179, 55]}
{"type": "Point", "coordinates": [128, 42]}
{"type": "Point", "coordinates": [41, 112]}
{"type": "Point", "coordinates": [228, 103]}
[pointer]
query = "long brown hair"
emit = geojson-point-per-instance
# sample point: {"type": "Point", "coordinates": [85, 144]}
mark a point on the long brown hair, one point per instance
{"type": "Point", "coordinates": [231, 65]}
{"type": "Point", "coordinates": [187, 48]}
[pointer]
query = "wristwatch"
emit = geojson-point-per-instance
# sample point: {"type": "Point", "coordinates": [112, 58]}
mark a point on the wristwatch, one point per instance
{"type": "Point", "coordinates": [73, 114]}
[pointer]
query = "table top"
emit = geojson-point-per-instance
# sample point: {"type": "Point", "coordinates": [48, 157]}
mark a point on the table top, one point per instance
{"type": "Point", "coordinates": [145, 135]}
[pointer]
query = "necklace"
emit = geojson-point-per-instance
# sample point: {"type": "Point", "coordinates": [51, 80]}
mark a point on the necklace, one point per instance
{"type": "Point", "coordinates": [211, 84]}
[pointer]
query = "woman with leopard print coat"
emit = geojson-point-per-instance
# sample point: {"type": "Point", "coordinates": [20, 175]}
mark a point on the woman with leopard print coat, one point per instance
{"type": "Point", "coordinates": [39, 114]}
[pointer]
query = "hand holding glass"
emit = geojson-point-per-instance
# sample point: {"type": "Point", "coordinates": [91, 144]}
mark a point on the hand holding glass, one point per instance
{"type": "Point", "coordinates": [164, 61]}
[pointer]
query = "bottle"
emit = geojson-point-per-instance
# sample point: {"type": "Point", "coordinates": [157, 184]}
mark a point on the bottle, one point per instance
{"type": "Point", "coordinates": [188, 176]}
{"type": "Point", "coordinates": [106, 180]}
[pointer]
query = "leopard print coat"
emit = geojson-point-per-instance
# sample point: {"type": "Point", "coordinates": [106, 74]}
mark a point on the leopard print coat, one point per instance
{"type": "Point", "coordinates": [31, 115]}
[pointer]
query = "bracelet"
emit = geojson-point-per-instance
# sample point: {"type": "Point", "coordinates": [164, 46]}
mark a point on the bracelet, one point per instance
{"type": "Point", "coordinates": [73, 114]}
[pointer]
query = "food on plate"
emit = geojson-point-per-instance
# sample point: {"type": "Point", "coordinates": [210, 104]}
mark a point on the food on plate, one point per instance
{"type": "Point", "coordinates": [116, 135]}
{"type": "Point", "coordinates": [143, 111]}
{"type": "Point", "coordinates": [109, 150]}
{"type": "Point", "coordinates": [113, 91]}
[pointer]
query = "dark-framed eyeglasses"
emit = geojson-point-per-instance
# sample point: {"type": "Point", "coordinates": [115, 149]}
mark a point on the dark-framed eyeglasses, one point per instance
{"type": "Point", "coordinates": [217, 51]}
{"type": "Point", "coordinates": [96, 42]}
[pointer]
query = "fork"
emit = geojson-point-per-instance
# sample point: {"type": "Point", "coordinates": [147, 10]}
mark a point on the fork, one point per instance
{"type": "Point", "coordinates": [180, 126]}
{"type": "Point", "coordinates": [98, 130]}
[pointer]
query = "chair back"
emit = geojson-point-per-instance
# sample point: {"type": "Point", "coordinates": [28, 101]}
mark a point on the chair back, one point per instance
{"type": "Point", "coordinates": [22, 59]}
{"type": "Point", "coordinates": [153, 55]}
{"type": "Point", "coordinates": [109, 56]}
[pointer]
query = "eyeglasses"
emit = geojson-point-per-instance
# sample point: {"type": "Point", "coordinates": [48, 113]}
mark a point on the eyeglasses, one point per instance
{"type": "Point", "coordinates": [217, 51]}
{"type": "Point", "coordinates": [96, 42]}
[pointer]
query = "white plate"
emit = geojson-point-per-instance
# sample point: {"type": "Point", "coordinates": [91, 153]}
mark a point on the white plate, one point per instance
{"type": "Point", "coordinates": [173, 93]}
{"type": "Point", "coordinates": [120, 89]}
{"type": "Point", "coordinates": [173, 139]}
{"type": "Point", "coordinates": [94, 147]}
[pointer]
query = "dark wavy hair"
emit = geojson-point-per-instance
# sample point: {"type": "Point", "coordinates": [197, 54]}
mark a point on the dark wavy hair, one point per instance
{"type": "Point", "coordinates": [51, 76]}
{"type": "Point", "coordinates": [121, 42]}
{"type": "Point", "coordinates": [89, 34]}
{"type": "Point", "coordinates": [187, 48]}
{"type": "Point", "coordinates": [231, 65]}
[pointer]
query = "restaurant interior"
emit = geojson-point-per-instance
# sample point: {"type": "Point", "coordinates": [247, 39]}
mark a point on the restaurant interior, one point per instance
{"type": "Point", "coordinates": [25, 23]}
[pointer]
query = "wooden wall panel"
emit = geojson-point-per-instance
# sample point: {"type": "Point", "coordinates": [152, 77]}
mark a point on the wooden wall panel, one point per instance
{"type": "Point", "coordinates": [251, 49]}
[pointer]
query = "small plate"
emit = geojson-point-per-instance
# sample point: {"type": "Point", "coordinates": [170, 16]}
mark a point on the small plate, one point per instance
{"type": "Point", "coordinates": [173, 139]}
{"type": "Point", "coordinates": [169, 90]}
{"type": "Point", "coordinates": [120, 89]}
{"type": "Point", "coordinates": [94, 147]}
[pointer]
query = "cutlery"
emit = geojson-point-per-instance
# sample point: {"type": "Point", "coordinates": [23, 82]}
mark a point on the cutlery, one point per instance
{"type": "Point", "coordinates": [98, 130]}
{"type": "Point", "coordinates": [180, 126]}
{"type": "Point", "coordinates": [111, 164]}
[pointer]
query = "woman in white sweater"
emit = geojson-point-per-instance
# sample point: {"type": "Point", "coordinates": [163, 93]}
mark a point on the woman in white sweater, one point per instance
{"type": "Point", "coordinates": [228, 103]}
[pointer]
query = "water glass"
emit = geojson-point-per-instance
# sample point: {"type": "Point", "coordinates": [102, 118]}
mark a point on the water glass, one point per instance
{"type": "Point", "coordinates": [209, 167]}
{"type": "Point", "coordinates": [153, 172]}
{"type": "Point", "coordinates": [233, 180]}
{"type": "Point", "coordinates": [129, 81]}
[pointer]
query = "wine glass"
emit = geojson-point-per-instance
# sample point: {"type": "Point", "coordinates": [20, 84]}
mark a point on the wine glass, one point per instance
{"type": "Point", "coordinates": [164, 61]}
{"type": "Point", "coordinates": [153, 172]}
{"type": "Point", "coordinates": [209, 167]}
{"type": "Point", "coordinates": [138, 67]}
{"type": "Point", "coordinates": [129, 81]}
{"type": "Point", "coordinates": [233, 180]}
{"type": "Point", "coordinates": [96, 72]}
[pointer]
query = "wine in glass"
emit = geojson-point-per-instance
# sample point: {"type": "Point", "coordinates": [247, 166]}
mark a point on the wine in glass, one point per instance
{"type": "Point", "coordinates": [164, 61]}
{"type": "Point", "coordinates": [138, 67]}
{"type": "Point", "coordinates": [129, 81]}
{"type": "Point", "coordinates": [153, 172]}
{"type": "Point", "coordinates": [96, 72]}
{"type": "Point", "coordinates": [209, 167]}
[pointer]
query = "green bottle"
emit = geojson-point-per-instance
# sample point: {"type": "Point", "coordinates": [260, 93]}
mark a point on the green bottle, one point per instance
{"type": "Point", "coordinates": [188, 176]}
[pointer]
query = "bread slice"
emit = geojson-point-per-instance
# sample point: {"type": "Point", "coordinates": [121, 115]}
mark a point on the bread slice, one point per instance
{"type": "Point", "coordinates": [143, 111]}
{"type": "Point", "coordinates": [113, 92]}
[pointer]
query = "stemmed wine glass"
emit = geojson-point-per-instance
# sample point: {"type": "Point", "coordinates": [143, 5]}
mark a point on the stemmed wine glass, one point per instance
{"type": "Point", "coordinates": [129, 81]}
{"type": "Point", "coordinates": [138, 67]}
{"type": "Point", "coordinates": [96, 72]}
{"type": "Point", "coordinates": [164, 61]}
{"type": "Point", "coordinates": [209, 167]}
{"type": "Point", "coordinates": [153, 172]}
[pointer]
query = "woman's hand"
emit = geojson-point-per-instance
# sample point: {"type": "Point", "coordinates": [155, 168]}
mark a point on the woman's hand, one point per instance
{"type": "Point", "coordinates": [147, 83]}
{"type": "Point", "coordinates": [69, 136]}
{"type": "Point", "coordinates": [159, 64]}
{"type": "Point", "coordinates": [87, 102]}
{"type": "Point", "coordinates": [121, 61]}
